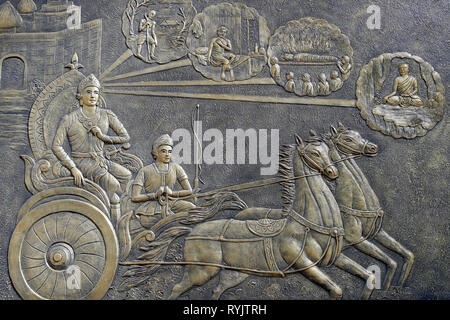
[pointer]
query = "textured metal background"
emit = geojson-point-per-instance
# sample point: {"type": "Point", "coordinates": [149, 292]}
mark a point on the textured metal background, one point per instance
{"type": "Point", "coordinates": [410, 177]}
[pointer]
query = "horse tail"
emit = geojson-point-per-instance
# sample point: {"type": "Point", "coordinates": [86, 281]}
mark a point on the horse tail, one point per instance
{"type": "Point", "coordinates": [155, 251]}
{"type": "Point", "coordinates": [212, 205]}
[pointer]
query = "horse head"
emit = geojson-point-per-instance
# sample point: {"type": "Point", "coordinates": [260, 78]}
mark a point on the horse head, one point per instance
{"type": "Point", "coordinates": [351, 142]}
{"type": "Point", "coordinates": [315, 154]}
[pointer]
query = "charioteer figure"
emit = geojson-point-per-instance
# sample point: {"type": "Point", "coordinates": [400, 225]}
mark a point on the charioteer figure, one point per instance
{"type": "Point", "coordinates": [154, 184]}
{"type": "Point", "coordinates": [86, 130]}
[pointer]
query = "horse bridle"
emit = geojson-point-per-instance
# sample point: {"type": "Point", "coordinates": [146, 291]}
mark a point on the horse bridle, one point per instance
{"type": "Point", "coordinates": [349, 150]}
{"type": "Point", "coordinates": [313, 164]}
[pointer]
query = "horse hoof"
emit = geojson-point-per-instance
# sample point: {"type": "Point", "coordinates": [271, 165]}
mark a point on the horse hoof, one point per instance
{"type": "Point", "coordinates": [336, 294]}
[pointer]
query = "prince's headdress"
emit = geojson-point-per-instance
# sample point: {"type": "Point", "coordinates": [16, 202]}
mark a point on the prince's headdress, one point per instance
{"type": "Point", "coordinates": [89, 81]}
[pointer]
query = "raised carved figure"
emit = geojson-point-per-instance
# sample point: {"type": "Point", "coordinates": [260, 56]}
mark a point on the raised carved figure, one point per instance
{"type": "Point", "coordinates": [360, 207]}
{"type": "Point", "coordinates": [345, 66]}
{"type": "Point", "coordinates": [307, 86]}
{"type": "Point", "coordinates": [405, 90]}
{"type": "Point", "coordinates": [323, 87]}
{"type": "Point", "coordinates": [219, 53]}
{"type": "Point", "coordinates": [306, 234]}
{"type": "Point", "coordinates": [335, 82]}
{"type": "Point", "coordinates": [147, 34]}
{"type": "Point", "coordinates": [275, 70]}
{"type": "Point", "coordinates": [68, 224]}
{"type": "Point", "coordinates": [154, 185]}
{"type": "Point", "coordinates": [290, 84]}
{"type": "Point", "coordinates": [86, 129]}
{"type": "Point", "coordinates": [162, 24]}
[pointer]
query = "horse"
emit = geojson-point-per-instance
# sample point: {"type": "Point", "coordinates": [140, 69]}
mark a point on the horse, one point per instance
{"type": "Point", "coordinates": [276, 247]}
{"type": "Point", "coordinates": [361, 211]}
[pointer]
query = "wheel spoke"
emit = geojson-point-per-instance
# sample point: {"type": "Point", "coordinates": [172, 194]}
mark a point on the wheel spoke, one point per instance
{"type": "Point", "coordinates": [37, 275]}
{"type": "Point", "coordinates": [90, 265]}
{"type": "Point", "coordinates": [43, 282]}
{"type": "Point", "coordinates": [45, 244]}
{"type": "Point", "coordinates": [34, 247]}
{"type": "Point", "coordinates": [54, 286]}
{"type": "Point", "coordinates": [65, 227]}
{"type": "Point", "coordinates": [87, 277]}
{"type": "Point", "coordinates": [87, 243]}
{"type": "Point", "coordinates": [92, 254]}
{"type": "Point", "coordinates": [83, 235]}
{"type": "Point", "coordinates": [46, 232]}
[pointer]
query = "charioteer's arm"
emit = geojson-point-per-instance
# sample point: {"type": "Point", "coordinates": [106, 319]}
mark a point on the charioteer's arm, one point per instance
{"type": "Point", "coordinates": [138, 196]}
{"type": "Point", "coordinates": [138, 193]}
{"type": "Point", "coordinates": [184, 183]}
{"type": "Point", "coordinates": [187, 190]}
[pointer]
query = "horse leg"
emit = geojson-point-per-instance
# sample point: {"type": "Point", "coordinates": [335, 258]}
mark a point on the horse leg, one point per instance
{"type": "Point", "coordinates": [319, 277]}
{"type": "Point", "coordinates": [372, 250]}
{"type": "Point", "coordinates": [346, 264]}
{"type": "Point", "coordinates": [193, 276]}
{"type": "Point", "coordinates": [387, 241]}
{"type": "Point", "coordinates": [201, 251]}
{"type": "Point", "coordinates": [228, 279]}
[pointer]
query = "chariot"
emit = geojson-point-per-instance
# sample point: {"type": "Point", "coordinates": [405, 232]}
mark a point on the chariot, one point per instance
{"type": "Point", "coordinates": [68, 240]}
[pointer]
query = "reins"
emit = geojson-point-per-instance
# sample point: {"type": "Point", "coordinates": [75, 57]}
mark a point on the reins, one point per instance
{"type": "Point", "coordinates": [266, 182]}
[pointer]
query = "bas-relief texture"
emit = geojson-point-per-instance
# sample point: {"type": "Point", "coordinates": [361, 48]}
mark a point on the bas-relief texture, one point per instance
{"type": "Point", "coordinates": [399, 131]}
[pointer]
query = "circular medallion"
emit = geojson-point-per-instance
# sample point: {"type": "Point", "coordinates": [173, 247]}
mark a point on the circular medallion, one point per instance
{"type": "Point", "coordinates": [310, 57]}
{"type": "Point", "coordinates": [400, 95]}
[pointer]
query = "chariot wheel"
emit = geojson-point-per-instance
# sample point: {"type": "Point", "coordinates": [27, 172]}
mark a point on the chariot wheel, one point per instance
{"type": "Point", "coordinates": [63, 249]}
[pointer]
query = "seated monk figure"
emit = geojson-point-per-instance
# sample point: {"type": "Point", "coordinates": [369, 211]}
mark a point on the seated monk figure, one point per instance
{"type": "Point", "coordinates": [156, 181]}
{"type": "Point", "coordinates": [405, 90]}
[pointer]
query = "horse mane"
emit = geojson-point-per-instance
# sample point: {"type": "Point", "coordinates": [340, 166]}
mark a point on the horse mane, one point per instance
{"type": "Point", "coordinates": [286, 171]}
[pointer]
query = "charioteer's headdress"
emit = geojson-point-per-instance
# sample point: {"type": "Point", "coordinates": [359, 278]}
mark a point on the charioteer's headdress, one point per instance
{"type": "Point", "coordinates": [164, 140]}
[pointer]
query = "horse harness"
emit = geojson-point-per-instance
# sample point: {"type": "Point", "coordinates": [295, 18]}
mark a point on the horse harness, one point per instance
{"type": "Point", "coordinates": [266, 229]}
{"type": "Point", "coordinates": [349, 150]}
{"type": "Point", "coordinates": [312, 164]}
{"type": "Point", "coordinates": [375, 215]}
